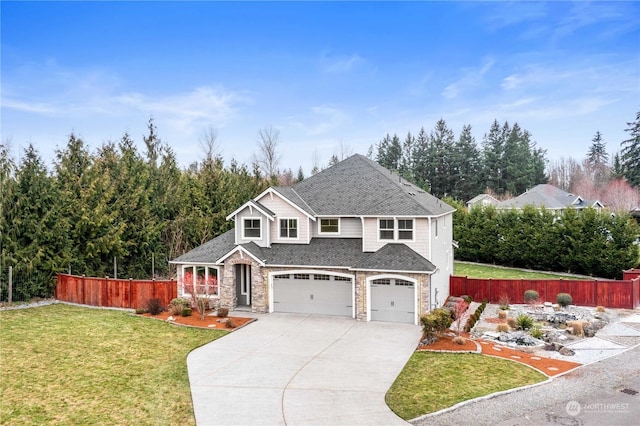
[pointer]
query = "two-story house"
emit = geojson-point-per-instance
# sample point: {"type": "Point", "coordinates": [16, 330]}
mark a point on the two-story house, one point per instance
{"type": "Point", "coordinates": [549, 197]}
{"type": "Point", "coordinates": [354, 240]}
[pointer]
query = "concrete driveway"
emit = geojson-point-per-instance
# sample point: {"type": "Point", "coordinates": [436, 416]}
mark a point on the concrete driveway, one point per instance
{"type": "Point", "coordinates": [294, 369]}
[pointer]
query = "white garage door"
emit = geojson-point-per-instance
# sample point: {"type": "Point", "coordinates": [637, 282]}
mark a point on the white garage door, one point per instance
{"type": "Point", "coordinates": [313, 294]}
{"type": "Point", "coordinates": [393, 300]}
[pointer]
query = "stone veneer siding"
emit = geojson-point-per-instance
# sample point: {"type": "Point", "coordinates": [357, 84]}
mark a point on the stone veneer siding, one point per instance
{"type": "Point", "coordinates": [228, 296]}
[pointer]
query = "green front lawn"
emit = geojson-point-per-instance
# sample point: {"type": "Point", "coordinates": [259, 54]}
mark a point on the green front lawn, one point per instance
{"type": "Point", "coordinates": [476, 270]}
{"type": "Point", "coordinates": [64, 364]}
{"type": "Point", "coordinates": [433, 381]}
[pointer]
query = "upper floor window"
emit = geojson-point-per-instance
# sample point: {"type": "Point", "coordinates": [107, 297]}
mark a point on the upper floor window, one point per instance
{"type": "Point", "coordinates": [386, 229]}
{"type": "Point", "coordinates": [329, 225]}
{"type": "Point", "coordinates": [252, 228]}
{"type": "Point", "coordinates": [288, 228]}
{"type": "Point", "coordinates": [405, 229]}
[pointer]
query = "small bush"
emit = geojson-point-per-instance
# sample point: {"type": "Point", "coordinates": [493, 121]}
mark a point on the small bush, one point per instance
{"type": "Point", "coordinates": [531, 296]}
{"type": "Point", "coordinates": [537, 333]}
{"type": "Point", "coordinates": [504, 302]}
{"type": "Point", "coordinates": [154, 306]}
{"type": "Point", "coordinates": [186, 312]}
{"type": "Point", "coordinates": [141, 311]}
{"type": "Point", "coordinates": [435, 322]}
{"type": "Point", "coordinates": [564, 299]}
{"type": "Point", "coordinates": [599, 308]}
{"type": "Point", "coordinates": [511, 322]}
{"type": "Point", "coordinates": [524, 322]}
{"type": "Point", "coordinates": [468, 299]}
{"type": "Point", "coordinates": [222, 312]}
{"type": "Point", "coordinates": [502, 314]}
{"type": "Point", "coordinates": [175, 309]}
{"type": "Point", "coordinates": [458, 340]}
{"type": "Point", "coordinates": [501, 328]}
{"type": "Point", "coordinates": [578, 327]}
{"type": "Point", "coordinates": [230, 323]}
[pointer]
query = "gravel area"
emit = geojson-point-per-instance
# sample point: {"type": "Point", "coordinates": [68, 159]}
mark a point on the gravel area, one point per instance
{"type": "Point", "coordinates": [592, 383]}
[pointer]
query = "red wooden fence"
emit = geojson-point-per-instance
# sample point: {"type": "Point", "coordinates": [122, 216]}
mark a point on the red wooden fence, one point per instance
{"type": "Point", "coordinates": [610, 294]}
{"type": "Point", "coordinates": [114, 293]}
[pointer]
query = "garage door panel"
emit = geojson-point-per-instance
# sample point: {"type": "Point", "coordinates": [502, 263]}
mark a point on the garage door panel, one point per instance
{"type": "Point", "coordinates": [393, 303]}
{"type": "Point", "coordinates": [324, 297]}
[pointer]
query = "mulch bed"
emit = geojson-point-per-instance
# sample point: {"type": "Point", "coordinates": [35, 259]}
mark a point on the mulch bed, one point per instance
{"type": "Point", "coordinates": [547, 366]}
{"type": "Point", "coordinates": [209, 321]}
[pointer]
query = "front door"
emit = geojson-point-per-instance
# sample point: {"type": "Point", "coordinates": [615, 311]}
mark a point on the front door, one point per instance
{"type": "Point", "coordinates": [243, 284]}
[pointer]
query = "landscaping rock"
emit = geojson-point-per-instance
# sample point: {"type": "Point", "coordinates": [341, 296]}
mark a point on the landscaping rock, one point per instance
{"type": "Point", "coordinates": [566, 351]}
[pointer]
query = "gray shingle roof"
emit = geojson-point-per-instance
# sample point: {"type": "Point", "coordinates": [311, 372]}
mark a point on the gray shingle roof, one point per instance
{"type": "Point", "coordinates": [210, 251]}
{"type": "Point", "coordinates": [320, 252]}
{"type": "Point", "coordinates": [548, 196]}
{"type": "Point", "coordinates": [358, 186]}
{"type": "Point", "coordinates": [396, 257]}
{"type": "Point", "coordinates": [291, 195]}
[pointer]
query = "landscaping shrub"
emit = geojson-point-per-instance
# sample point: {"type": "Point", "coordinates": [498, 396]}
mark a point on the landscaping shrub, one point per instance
{"type": "Point", "coordinates": [141, 311]}
{"type": "Point", "coordinates": [501, 328]}
{"type": "Point", "coordinates": [504, 302]}
{"type": "Point", "coordinates": [435, 322]}
{"type": "Point", "coordinates": [458, 340]}
{"type": "Point", "coordinates": [599, 308]}
{"type": "Point", "coordinates": [177, 305]}
{"type": "Point", "coordinates": [154, 306]}
{"type": "Point", "coordinates": [186, 312]}
{"type": "Point", "coordinates": [502, 314]}
{"type": "Point", "coordinates": [468, 299]}
{"type": "Point", "coordinates": [511, 322]}
{"type": "Point", "coordinates": [537, 333]}
{"type": "Point", "coordinates": [222, 312]}
{"type": "Point", "coordinates": [524, 322]}
{"type": "Point", "coordinates": [230, 323]}
{"type": "Point", "coordinates": [564, 299]}
{"type": "Point", "coordinates": [531, 296]}
{"type": "Point", "coordinates": [578, 327]}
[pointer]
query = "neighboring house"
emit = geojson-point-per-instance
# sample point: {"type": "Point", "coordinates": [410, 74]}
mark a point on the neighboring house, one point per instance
{"type": "Point", "coordinates": [354, 240]}
{"type": "Point", "coordinates": [549, 197]}
{"type": "Point", "coordinates": [482, 200]}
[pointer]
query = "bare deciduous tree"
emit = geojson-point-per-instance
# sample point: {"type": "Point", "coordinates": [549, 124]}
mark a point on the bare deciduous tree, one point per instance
{"type": "Point", "coordinates": [209, 144]}
{"type": "Point", "coordinates": [268, 157]}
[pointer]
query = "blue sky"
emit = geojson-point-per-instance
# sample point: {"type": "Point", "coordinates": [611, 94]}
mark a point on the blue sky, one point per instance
{"type": "Point", "coordinates": [322, 73]}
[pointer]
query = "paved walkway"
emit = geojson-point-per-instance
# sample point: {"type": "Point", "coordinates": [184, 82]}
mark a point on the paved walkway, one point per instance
{"type": "Point", "coordinates": [290, 369]}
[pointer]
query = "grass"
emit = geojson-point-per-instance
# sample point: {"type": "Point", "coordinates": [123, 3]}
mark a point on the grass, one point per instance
{"type": "Point", "coordinates": [476, 270]}
{"type": "Point", "coordinates": [433, 381]}
{"type": "Point", "coordinates": [64, 364]}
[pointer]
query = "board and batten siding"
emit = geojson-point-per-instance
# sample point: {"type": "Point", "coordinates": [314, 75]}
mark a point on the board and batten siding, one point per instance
{"type": "Point", "coordinates": [350, 227]}
{"type": "Point", "coordinates": [283, 210]}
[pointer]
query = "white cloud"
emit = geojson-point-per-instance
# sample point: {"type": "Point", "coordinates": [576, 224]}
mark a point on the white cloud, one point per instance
{"type": "Point", "coordinates": [339, 64]}
{"type": "Point", "coordinates": [470, 78]}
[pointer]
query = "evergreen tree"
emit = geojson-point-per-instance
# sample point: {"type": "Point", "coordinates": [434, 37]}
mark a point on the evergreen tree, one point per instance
{"type": "Point", "coordinates": [421, 173]}
{"type": "Point", "coordinates": [493, 152]}
{"type": "Point", "coordinates": [300, 176]}
{"type": "Point", "coordinates": [598, 160]}
{"type": "Point", "coordinates": [631, 153]}
{"type": "Point", "coordinates": [8, 239]}
{"type": "Point", "coordinates": [467, 172]}
{"type": "Point", "coordinates": [441, 159]}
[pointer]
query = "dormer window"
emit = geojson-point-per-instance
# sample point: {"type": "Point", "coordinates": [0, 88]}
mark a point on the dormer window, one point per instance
{"type": "Point", "coordinates": [252, 228]}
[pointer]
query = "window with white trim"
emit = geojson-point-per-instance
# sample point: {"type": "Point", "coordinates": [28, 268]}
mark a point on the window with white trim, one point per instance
{"type": "Point", "coordinates": [288, 228]}
{"type": "Point", "coordinates": [281, 277]}
{"type": "Point", "coordinates": [252, 228]}
{"type": "Point", "coordinates": [386, 227]}
{"type": "Point", "coordinates": [382, 281]}
{"type": "Point", "coordinates": [329, 225]}
{"type": "Point", "coordinates": [403, 282]}
{"type": "Point", "coordinates": [201, 279]}
{"type": "Point", "coordinates": [405, 229]}
{"type": "Point", "coordinates": [300, 276]}
{"type": "Point", "coordinates": [321, 277]}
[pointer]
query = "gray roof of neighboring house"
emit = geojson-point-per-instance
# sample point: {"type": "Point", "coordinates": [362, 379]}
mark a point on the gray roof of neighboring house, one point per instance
{"type": "Point", "coordinates": [481, 197]}
{"type": "Point", "coordinates": [320, 252]}
{"type": "Point", "coordinates": [547, 196]}
{"type": "Point", "coordinates": [210, 251]}
{"type": "Point", "coordinates": [358, 186]}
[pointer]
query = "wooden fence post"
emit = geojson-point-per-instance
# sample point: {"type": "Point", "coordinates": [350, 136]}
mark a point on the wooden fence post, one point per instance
{"type": "Point", "coordinates": [84, 283]}
{"type": "Point", "coordinates": [10, 296]}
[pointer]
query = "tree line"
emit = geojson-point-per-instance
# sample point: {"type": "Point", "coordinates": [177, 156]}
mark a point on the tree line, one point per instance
{"type": "Point", "coordinates": [584, 242]}
{"type": "Point", "coordinates": [507, 161]}
{"type": "Point", "coordinates": [140, 208]}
